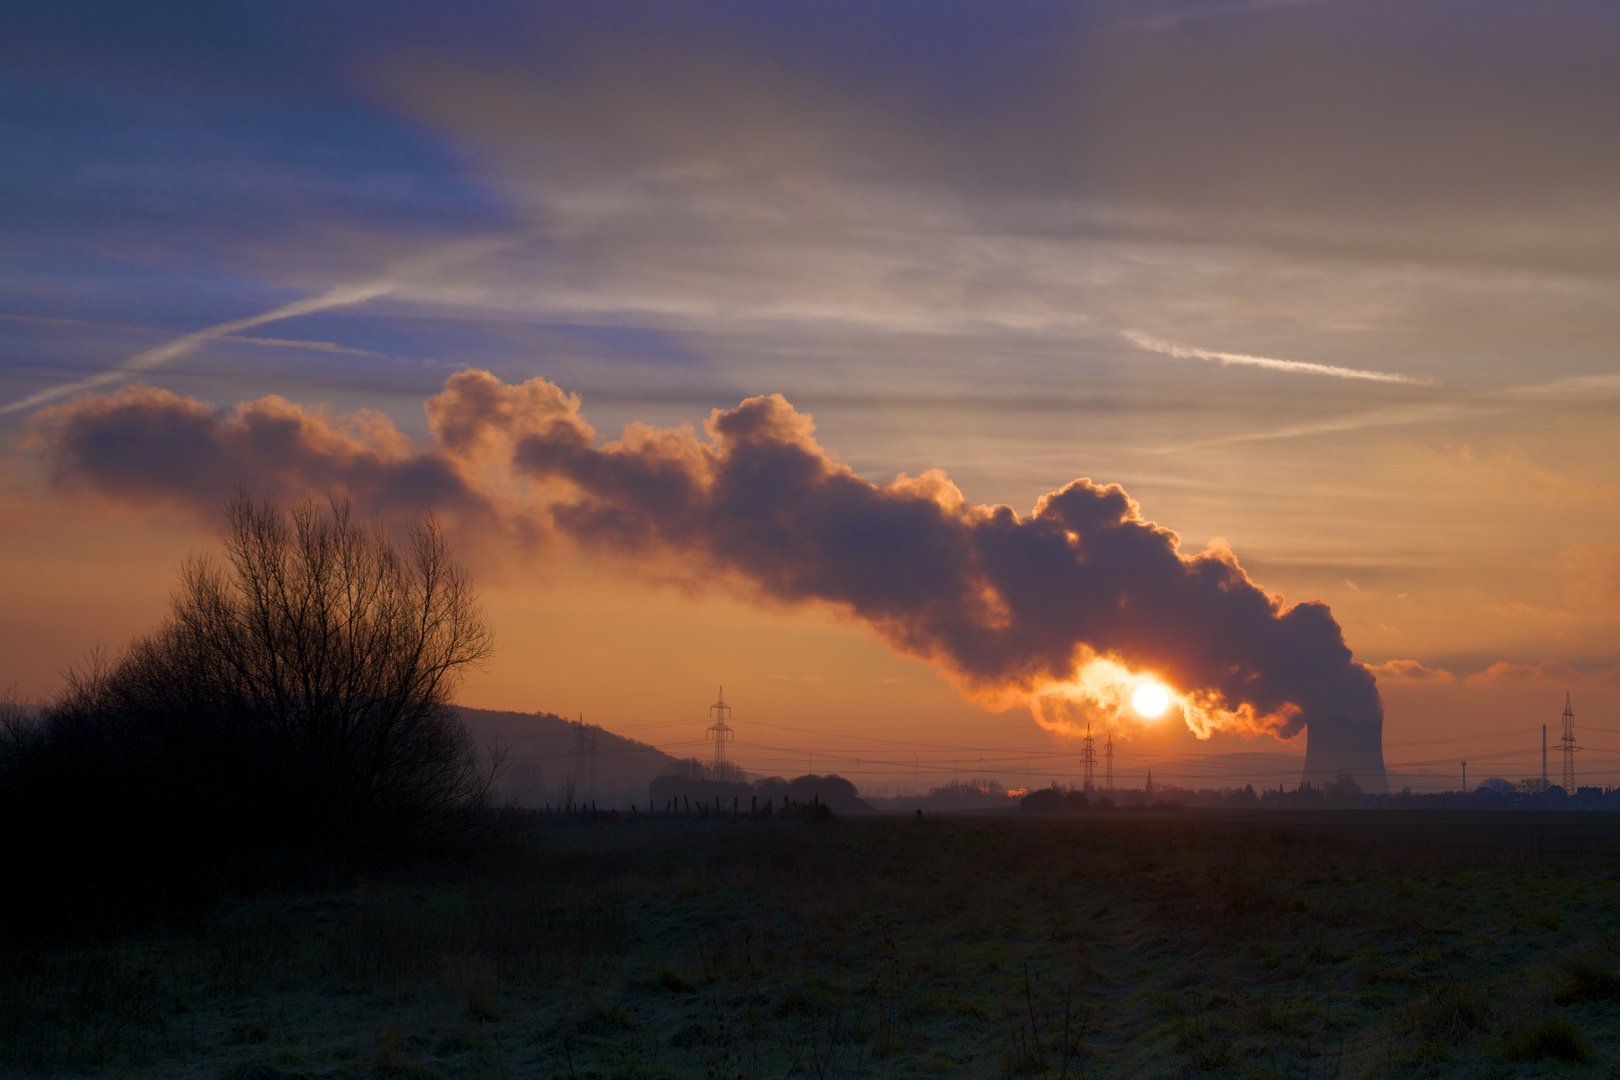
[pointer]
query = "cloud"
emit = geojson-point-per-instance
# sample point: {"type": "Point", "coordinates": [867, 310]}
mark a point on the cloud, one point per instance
{"type": "Point", "coordinates": [307, 346]}
{"type": "Point", "coordinates": [1014, 608]}
{"type": "Point", "coordinates": [1394, 416]}
{"type": "Point", "coordinates": [1554, 673]}
{"type": "Point", "coordinates": [1596, 582]}
{"type": "Point", "coordinates": [1176, 19]}
{"type": "Point", "coordinates": [1302, 367]}
{"type": "Point", "coordinates": [1410, 671]}
{"type": "Point", "coordinates": [1577, 388]}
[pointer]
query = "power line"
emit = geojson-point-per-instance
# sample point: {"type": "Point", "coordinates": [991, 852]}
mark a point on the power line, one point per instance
{"type": "Point", "coordinates": [884, 758]}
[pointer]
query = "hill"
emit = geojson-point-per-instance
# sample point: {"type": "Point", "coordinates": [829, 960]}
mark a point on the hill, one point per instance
{"type": "Point", "coordinates": [544, 763]}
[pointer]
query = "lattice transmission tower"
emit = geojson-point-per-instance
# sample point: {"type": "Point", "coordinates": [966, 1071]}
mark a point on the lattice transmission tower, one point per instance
{"type": "Point", "coordinates": [1108, 764]}
{"type": "Point", "coordinates": [1088, 759]}
{"type": "Point", "coordinates": [1569, 747]}
{"type": "Point", "coordinates": [720, 733]}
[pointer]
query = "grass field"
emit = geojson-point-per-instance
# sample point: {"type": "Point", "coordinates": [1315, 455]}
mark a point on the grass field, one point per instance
{"type": "Point", "coordinates": [1165, 943]}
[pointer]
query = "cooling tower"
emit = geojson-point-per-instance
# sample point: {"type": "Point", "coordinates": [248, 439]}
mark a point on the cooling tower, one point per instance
{"type": "Point", "coordinates": [1338, 745]}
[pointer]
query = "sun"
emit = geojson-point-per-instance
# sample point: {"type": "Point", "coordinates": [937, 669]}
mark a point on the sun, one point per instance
{"type": "Point", "coordinates": [1151, 699]}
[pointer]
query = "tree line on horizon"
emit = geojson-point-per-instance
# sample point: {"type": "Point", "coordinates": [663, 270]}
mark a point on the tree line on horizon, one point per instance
{"type": "Point", "coordinates": [694, 781]}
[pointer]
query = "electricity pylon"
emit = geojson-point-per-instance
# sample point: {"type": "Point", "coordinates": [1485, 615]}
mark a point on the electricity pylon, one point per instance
{"type": "Point", "coordinates": [1088, 759]}
{"type": "Point", "coordinates": [1569, 747]}
{"type": "Point", "coordinates": [720, 733]}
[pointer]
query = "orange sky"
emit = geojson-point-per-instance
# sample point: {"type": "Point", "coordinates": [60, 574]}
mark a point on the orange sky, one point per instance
{"type": "Point", "coordinates": [584, 636]}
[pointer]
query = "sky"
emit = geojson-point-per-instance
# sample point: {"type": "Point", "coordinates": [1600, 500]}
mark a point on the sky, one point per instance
{"type": "Point", "coordinates": [1327, 287]}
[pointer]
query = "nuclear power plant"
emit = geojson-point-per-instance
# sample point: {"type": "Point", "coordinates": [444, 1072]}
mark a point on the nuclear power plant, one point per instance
{"type": "Point", "coordinates": [1342, 745]}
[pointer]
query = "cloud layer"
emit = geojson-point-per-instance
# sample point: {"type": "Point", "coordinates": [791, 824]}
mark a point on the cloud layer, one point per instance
{"type": "Point", "coordinates": [1012, 607]}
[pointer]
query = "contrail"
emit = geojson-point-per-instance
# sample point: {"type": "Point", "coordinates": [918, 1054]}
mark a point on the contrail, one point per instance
{"type": "Point", "coordinates": [1585, 388]}
{"type": "Point", "coordinates": [1303, 367]}
{"type": "Point", "coordinates": [1393, 417]}
{"type": "Point", "coordinates": [1175, 20]}
{"type": "Point", "coordinates": [341, 296]}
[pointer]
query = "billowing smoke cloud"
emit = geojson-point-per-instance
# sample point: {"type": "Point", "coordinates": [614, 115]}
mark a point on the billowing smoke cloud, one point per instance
{"type": "Point", "coordinates": [1063, 609]}
{"type": "Point", "coordinates": [143, 445]}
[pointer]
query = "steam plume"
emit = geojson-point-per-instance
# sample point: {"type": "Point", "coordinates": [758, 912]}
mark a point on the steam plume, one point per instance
{"type": "Point", "coordinates": [142, 445]}
{"type": "Point", "coordinates": [1060, 609]}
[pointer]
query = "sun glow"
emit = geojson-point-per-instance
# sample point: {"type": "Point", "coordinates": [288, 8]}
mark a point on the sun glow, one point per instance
{"type": "Point", "coordinates": [1151, 699]}
{"type": "Point", "coordinates": [1104, 694]}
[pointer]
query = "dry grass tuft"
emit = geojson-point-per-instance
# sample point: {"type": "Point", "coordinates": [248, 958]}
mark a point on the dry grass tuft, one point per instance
{"type": "Point", "coordinates": [1582, 978]}
{"type": "Point", "coordinates": [1453, 1013]}
{"type": "Point", "coordinates": [1553, 1037]}
{"type": "Point", "coordinates": [474, 982]}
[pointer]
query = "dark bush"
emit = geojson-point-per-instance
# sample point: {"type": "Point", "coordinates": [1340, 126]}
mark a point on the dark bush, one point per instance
{"type": "Point", "coordinates": [1042, 800]}
{"type": "Point", "coordinates": [831, 790]}
{"type": "Point", "coordinates": [1075, 800]}
{"type": "Point", "coordinates": [297, 695]}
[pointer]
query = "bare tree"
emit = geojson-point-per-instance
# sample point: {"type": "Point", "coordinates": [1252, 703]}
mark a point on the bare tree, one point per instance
{"type": "Point", "coordinates": [341, 652]}
{"type": "Point", "coordinates": [302, 685]}
{"type": "Point", "coordinates": [15, 723]}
